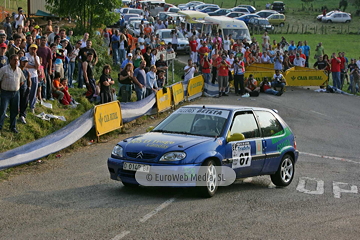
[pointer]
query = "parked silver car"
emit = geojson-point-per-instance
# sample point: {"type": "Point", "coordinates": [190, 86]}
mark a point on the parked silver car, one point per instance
{"type": "Point", "coordinates": [133, 27]}
{"type": "Point", "coordinates": [183, 42]}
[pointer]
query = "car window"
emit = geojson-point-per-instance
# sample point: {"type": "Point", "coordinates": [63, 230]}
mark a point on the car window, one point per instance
{"type": "Point", "coordinates": [245, 123]}
{"type": "Point", "coordinates": [269, 125]}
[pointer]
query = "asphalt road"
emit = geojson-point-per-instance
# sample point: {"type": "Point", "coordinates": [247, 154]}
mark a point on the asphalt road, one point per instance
{"type": "Point", "coordinates": [73, 198]}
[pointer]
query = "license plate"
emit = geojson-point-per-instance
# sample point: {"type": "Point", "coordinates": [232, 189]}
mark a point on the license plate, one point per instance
{"type": "Point", "coordinates": [136, 167]}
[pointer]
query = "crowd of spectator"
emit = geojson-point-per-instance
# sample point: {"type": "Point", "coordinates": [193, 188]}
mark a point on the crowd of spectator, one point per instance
{"type": "Point", "coordinates": [42, 60]}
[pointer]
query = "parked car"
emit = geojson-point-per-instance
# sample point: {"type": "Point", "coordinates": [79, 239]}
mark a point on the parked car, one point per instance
{"type": "Point", "coordinates": [247, 17]}
{"type": "Point", "coordinates": [131, 11]}
{"type": "Point", "coordinates": [189, 5]}
{"type": "Point", "coordinates": [265, 13]}
{"type": "Point", "coordinates": [278, 6]}
{"type": "Point", "coordinates": [246, 141]}
{"type": "Point", "coordinates": [337, 17]}
{"type": "Point", "coordinates": [202, 6]}
{"type": "Point", "coordinates": [260, 24]}
{"type": "Point", "coordinates": [173, 9]}
{"type": "Point", "coordinates": [240, 9]}
{"type": "Point", "coordinates": [276, 19]}
{"type": "Point", "coordinates": [319, 17]}
{"type": "Point", "coordinates": [133, 27]}
{"type": "Point", "coordinates": [209, 9]}
{"type": "Point", "coordinates": [235, 14]}
{"type": "Point", "coordinates": [249, 7]}
{"type": "Point", "coordinates": [128, 16]}
{"type": "Point", "coordinates": [183, 42]}
{"type": "Point", "coordinates": [220, 12]}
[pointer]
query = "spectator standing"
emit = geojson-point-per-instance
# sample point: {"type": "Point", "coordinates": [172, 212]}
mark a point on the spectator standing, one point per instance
{"type": "Point", "coordinates": [321, 64]}
{"type": "Point", "coordinates": [115, 42]}
{"type": "Point", "coordinates": [8, 28]}
{"type": "Point", "coordinates": [126, 80]}
{"type": "Point", "coordinates": [72, 61]}
{"type": "Point", "coordinates": [355, 73]}
{"type": "Point", "coordinates": [11, 78]}
{"type": "Point", "coordinates": [223, 75]}
{"type": "Point", "coordinates": [319, 50]}
{"type": "Point", "coordinates": [161, 64]}
{"type": "Point", "coordinates": [335, 63]}
{"type": "Point", "coordinates": [105, 85]}
{"type": "Point", "coordinates": [51, 37]}
{"type": "Point", "coordinates": [140, 77]}
{"type": "Point", "coordinates": [24, 90]}
{"type": "Point", "coordinates": [3, 59]}
{"type": "Point", "coordinates": [19, 18]}
{"type": "Point", "coordinates": [87, 67]}
{"type": "Point", "coordinates": [151, 81]}
{"type": "Point", "coordinates": [306, 51]}
{"type": "Point", "coordinates": [278, 60]}
{"type": "Point", "coordinates": [14, 48]}
{"type": "Point", "coordinates": [33, 67]}
{"type": "Point", "coordinates": [239, 71]}
{"type": "Point", "coordinates": [123, 44]}
{"type": "Point", "coordinates": [193, 49]}
{"type": "Point", "coordinates": [83, 57]}
{"type": "Point", "coordinates": [206, 65]}
{"type": "Point", "coordinates": [299, 61]}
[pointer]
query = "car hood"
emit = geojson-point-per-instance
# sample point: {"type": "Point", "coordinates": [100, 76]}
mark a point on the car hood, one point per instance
{"type": "Point", "coordinates": [156, 144]}
{"type": "Point", "coordinates": [180, 40]}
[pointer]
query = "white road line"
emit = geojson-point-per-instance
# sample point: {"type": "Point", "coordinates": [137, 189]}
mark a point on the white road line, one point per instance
{"type": "Point", "coordinates": [121, 235]}
{"type": "Point", "coordinates": [329, 157]}
{"type": "Point", "coordinates": [156, 210]}
{"type": "Point", "coordinates": [319, 113]}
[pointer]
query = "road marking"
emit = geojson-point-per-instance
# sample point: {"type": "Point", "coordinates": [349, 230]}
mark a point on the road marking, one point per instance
{"type": "Point", "coordinates": [319, 113]}
{"type": "Point", "coordinates": [156, 210]}
{"type": "Point", "coordinates": [337, 190]}
{"type": "Point", "coordinates": [328, 157]}
{"type": "Point", "coordinates": [319, 186]}
{"type": "Point", "coordinates": [121, 235]}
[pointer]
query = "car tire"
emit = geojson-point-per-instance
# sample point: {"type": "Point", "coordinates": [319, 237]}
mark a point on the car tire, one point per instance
{"type": "Point", "coordinates": [281, 24]}
{"type": "Point", "coordinates": [130, 185]}
{"type": "Point", "coordinates": [211, 185]}
{"type": "Point", "coordinates": [347, 21]}
{"type": "Point", "coordinates": [329, 21]}
{"type": "Point", "coordinates": [285, 174]}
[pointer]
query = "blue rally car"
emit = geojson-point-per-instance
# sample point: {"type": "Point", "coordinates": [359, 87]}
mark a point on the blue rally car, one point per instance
{"type": "Point", "coordinates": [252, 141]}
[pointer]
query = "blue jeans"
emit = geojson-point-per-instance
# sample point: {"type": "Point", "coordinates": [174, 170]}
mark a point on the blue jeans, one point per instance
{"type": "Point", "coordinates": [116, 55]}
{"type": "Point", "coordinates": [207, 77]}
{"type": "Point", "coordinates": [70, 74]}
{"type": "Point", "coordinates": [33, 91]}
{"type": "Point", "coordinates": [140, 93]}
{"type": "Point", "coordinates": [278, 84]}
{"type": "Point", "coordinates": [80, 75]}
{"type": "Point", "coordinates": [271, 91]}
{"type": "Point", "coordinates": [122, 53]}
{"type": "Point", "coordinates": [11, 98]}
{"type": "Point", "coordinates": [336, 79]}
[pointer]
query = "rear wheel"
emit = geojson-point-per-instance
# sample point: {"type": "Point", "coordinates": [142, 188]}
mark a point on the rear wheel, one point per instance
{"type": "Point", "coordinates": [211, 181]}
{"type": "Point", "coordinates": [347, 21]}
{"type": "Point", "coordinates": [329, 21]}
{"type": "Point", "coordinates": [285, 173]}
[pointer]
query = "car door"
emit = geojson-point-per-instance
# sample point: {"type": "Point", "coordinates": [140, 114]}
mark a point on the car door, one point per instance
{"type": "Point", "coordinates": [245, 156]}
{"type": "Point", "coordinates": [275, 138]}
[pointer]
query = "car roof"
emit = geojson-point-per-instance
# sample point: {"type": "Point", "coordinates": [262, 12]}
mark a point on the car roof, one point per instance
{"type": "Point", "coordinates": [226, 107]}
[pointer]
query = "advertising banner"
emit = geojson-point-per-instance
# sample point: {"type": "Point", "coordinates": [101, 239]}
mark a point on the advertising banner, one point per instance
{"type": "Point", "coordinates": [195, 86]}
{"type": "Point", "coordinates": [163, 100]}
{"type": "Point", "coordinates": [177, 90]}
{"type": "Point", "coordinates": [300, 76]}
{"type": "Point", "coordinates": [107, 117]}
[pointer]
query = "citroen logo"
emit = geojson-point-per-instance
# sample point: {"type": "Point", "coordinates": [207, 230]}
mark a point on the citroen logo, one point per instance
{"type": "Point", "coordinates": [140, 155]}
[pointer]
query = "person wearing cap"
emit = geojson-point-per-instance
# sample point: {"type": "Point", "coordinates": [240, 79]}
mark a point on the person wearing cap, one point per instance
{"type": "Point", "coordinates": [24, 90]}
{"type": "Point", "coordinates": [62, 34]}
{"type": "Point", "coordinates": [3, 37]}
{"type": "Point", "coordinates": [11, 78]}
{"type": "Point", "coordinates": [126, 61]}
{"type": "Point", "coordinates": [299, 61]}
{"type": "Point", "coordinates": [33, 67]}
{"type": "Point", "coordinates": [3, 59]}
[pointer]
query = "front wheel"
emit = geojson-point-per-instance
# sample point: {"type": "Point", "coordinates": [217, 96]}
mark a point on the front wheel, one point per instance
{"type": "Point", "coordinates": [211, 181]}
{"type": "Point", "coordinates": [285, 173]}
{"type": "Point", "coordinates": [328, 21]}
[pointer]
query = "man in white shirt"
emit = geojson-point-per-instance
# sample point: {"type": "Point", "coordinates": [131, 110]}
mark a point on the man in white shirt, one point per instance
{"type": "Point", "coordinates": [33, 67]}
{"type": "Point", "coordinates": [299, 61]}
{"type": "Point", "coordinates": [141, 41]}
{"type": "Point", "coordinates": [265, 58]}
{"type": "Point", "coordinates": [19, 18]}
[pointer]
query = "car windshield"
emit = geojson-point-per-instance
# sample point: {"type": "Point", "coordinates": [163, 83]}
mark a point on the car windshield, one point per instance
{"type": "Point", "coordinates": [195, 121]}
{"type": "Point", "coordinates": [238, 33]}
{"type": "Point", "coordinates": [168, 35]}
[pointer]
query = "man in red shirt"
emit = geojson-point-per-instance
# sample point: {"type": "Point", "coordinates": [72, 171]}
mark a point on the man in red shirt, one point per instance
{"type": "Point", "coordinates": [335, 63]}
{"type": "Point", "coordinates": [206, 65]}
{"type": "Point", "coordinates": [203, 49]}
{"type": "Point", "coordinates": [342, 68]}
{"type": "Point", "coordinates": [193, 49]}
{"type": "Point", "coordinates": [223, 75]}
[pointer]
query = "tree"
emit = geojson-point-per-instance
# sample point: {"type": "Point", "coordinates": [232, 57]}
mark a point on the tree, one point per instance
{"type": "Point", "coordinates": [89, 14]}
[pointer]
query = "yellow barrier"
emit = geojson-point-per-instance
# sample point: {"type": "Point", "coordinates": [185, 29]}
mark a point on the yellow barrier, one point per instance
{"type": "Point", "coordinates": [301, 76]}
{"type": "Point", "coordinates": [261, 65]}
{"type": "Point", "coordinates": [163, 100]}
{"type": "Point", "coordinates": [107, 117]}
{"type": "Point", "coordinates": [196, 85]}
{"type": "Point", "coordinates": [177, 93]}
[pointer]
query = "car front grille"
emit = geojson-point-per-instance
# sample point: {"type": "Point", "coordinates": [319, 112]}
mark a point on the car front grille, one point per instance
{"type": "Point", "coordinates": [142, 156]}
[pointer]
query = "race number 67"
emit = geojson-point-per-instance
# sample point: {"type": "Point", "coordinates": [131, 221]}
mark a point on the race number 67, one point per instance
{"type": "Point", "coordinates": [244, 158]}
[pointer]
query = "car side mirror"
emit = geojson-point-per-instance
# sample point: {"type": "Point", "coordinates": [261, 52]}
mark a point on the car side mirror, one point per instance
{"type": "Point", "coordinates": [235, 137]}
{"type": "Point", "coordinates": [150, 128]}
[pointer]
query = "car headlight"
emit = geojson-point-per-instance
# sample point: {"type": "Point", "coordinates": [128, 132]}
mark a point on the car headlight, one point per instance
{"type": "Point", "coordinates": [173, 156]}
{"type": "Point", "coordinates": [117, 151]}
